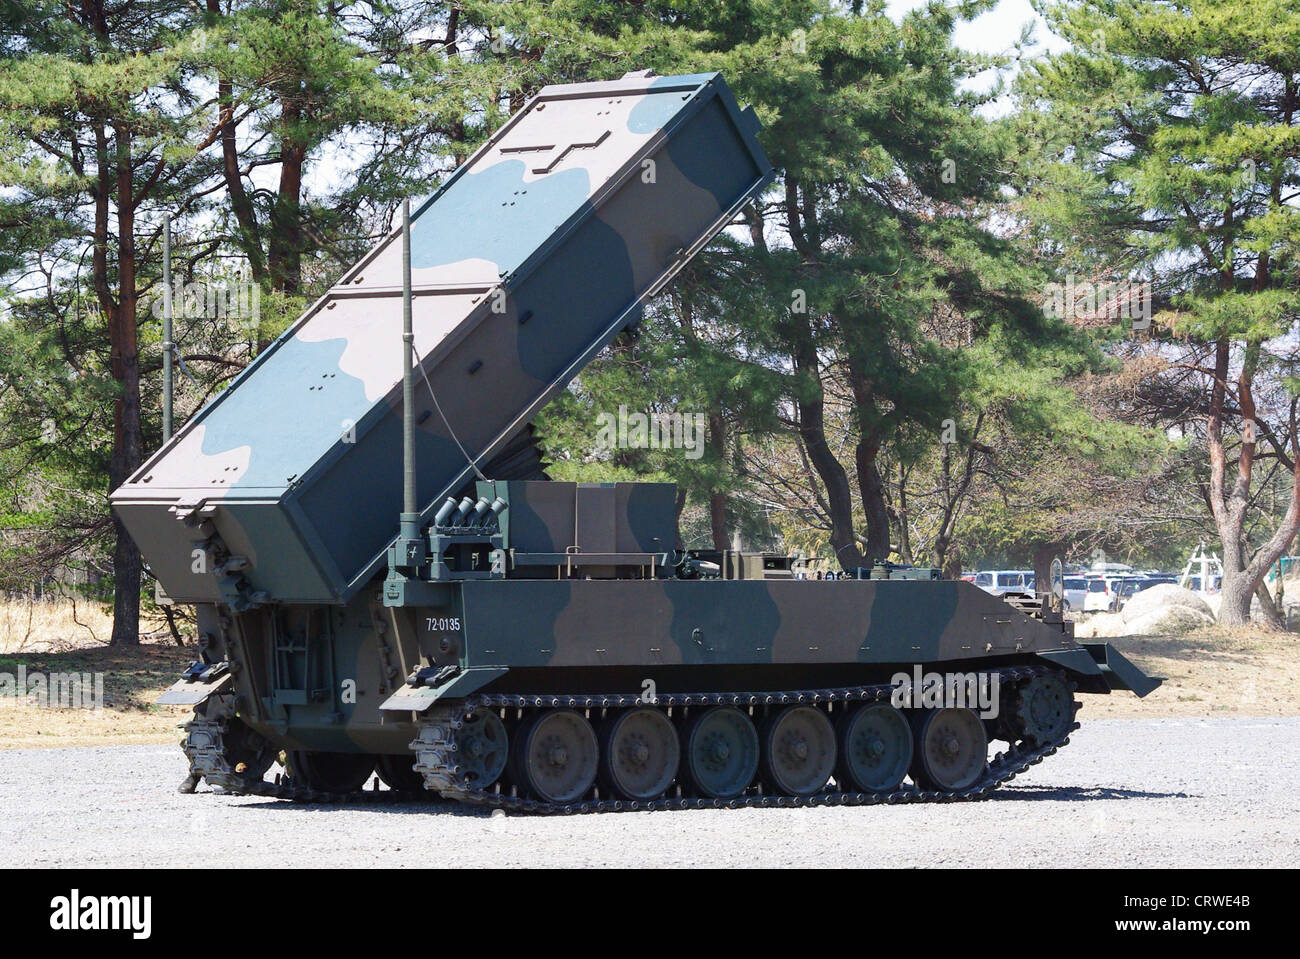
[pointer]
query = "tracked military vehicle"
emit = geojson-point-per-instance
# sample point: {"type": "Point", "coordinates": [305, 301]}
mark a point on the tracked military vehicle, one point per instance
{"type": "Point", "coordinates": [388, 585]}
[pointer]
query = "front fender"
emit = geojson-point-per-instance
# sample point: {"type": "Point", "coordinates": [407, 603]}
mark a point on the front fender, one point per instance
{"type": "Point", "coordinates": [1099, 667]}
{"type": "Point", "coordinates": [196, 684]}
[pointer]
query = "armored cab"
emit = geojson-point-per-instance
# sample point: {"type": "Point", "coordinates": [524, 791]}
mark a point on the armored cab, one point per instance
{"type": "Point", "coordinates": [441, 614]}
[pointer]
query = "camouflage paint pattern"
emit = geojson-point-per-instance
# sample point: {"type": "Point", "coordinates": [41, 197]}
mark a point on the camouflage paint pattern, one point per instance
{"type": "Point", "coordinates": [292, 477]}
{"type": "Point", "coordinates": [552, 517]}
{"type": "Point", "coordinates": [584, 623]}
{"type": "Point", "coordinates": [527, 262]}
{"type": "Point", "coordinates": [609, 636]}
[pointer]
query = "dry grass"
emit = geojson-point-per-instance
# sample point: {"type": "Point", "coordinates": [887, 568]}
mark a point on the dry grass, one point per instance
{"type": "Point", "coordinates": [1214, 671]}
{"type": "Point", "coordinates": [62, 637]}
{"type": "Point", "coordinates": [27, 627]}
{"type": "Point", "coordinates": [133, 678]}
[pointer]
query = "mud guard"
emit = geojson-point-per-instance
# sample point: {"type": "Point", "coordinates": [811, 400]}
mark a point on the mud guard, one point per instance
{"type": "Point", "coordinates": [428, 686]}
{"type": "Point", "coordinates": [1100, 668]}
{"type": "Point", "coordinates": [196, 684]}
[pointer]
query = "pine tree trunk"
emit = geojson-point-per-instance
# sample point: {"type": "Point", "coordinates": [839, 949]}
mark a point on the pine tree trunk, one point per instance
{"type": "Point", "coordinates": [812, 431]}
{"type": "Point", "coordinates": [128, 438]}
{"type": "Point", "coordinates": [718, 520]}
{"type": "Point", "coordinates": [810, 398]}
{"type": "Point", "coordinates": [284, 258]}
{"type": "Point", "coordinates": [1268, 608]}
{"type": "Point", "coordinates": [717, 499]}
{"type": "Point", "coordinates": [872, 486]}
{"type": "Point", "coordinates": [126, 589]}
{"type": "Point", "coordinates": [899, 517]}
{"type": "Point", "coordinates": [679, 504]}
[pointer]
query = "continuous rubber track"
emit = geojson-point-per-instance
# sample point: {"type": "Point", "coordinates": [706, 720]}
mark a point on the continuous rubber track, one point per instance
{"type": "Point", "coordinates": [435, 754]}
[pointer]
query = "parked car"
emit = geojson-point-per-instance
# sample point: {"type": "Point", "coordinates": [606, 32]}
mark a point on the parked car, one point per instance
{"type": "Point", "coordinates": [1122, 591]}
{"type": "Point", "coordinates": [1156, 581]}
{"type": "Point", "coordinates": [1099, 598]}
{"type": "Point", "coordinates": [1076, 591]}
{"type": "Point", "coordinates": [999, 581]}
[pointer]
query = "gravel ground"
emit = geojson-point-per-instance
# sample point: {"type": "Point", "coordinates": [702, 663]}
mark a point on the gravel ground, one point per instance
{"type": "Point", "coordinates": [1163, 792]}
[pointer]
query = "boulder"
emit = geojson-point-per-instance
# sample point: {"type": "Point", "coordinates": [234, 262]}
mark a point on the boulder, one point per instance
{"type": "Point", "coordinates": [1161, 597]}
{"type": "Point", "coordinates": [1169, 620]}
{"type": "Point", "coordinates": [1163, 610]}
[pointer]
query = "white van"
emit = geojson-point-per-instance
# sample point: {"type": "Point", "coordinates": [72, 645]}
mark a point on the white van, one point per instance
{"type": "Point", "coordinates": [1076, 592]}
{"type": "Point", "coordinates": [999, 581]}
{"type": "Point", "coordinates": [1098, 599]}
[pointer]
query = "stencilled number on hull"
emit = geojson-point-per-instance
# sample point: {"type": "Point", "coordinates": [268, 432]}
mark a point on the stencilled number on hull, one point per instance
{"type": "Point", "coordinates": [442, 624]}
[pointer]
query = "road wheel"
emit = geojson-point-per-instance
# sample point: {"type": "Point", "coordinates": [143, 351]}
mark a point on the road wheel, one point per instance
{"type": "Point", "coordinates": [950, 749]}
{"type": "Point", "coordinates": [639, 753]}
{"type": "Point", "coordinates": [398, 772]}
{"type": "Point", "coordinates": [556, 756]}
{"type": "Point", "coordinates": [721, 752]}
{"type": "Point", "coordinates": [875, 748]}
{"type": "Point", "coordinates": [798, 751]}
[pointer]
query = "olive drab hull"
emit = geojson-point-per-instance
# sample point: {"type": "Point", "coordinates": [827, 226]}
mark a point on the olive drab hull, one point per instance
{"type": "Point", "coordinates": [351, 677]}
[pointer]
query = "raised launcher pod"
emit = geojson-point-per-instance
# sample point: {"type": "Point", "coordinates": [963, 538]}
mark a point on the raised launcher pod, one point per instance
{"type": "Point", "coordinates": [525, 264]}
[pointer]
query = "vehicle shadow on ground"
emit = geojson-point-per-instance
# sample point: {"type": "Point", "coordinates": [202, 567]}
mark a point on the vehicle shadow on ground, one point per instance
{"type": "Point", "coordinates": [1077, 794]}
{"type": "Point", "coordinates": [451, 808]}
{"type": "Point", "coordinates": [410, 807]}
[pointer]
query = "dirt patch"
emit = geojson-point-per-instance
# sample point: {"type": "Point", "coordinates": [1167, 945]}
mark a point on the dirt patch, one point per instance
{"type": "Point", "coordinates": [132, 678]}
{"type": "Point", "coordinates": [1213, 671]}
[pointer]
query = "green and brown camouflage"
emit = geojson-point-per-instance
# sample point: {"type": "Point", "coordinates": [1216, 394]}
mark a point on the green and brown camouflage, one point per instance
{"type": "Point", "coordinates": [525, 264]}
{"type": "Point", "coordinates": [577, 611]}
{"type": "Point", "coordinates": [277, 506]}
{"type": "Point", "coordinates": [319, 677]}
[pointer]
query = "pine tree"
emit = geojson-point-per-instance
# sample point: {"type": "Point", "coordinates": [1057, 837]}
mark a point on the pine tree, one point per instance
{"type": "Point", "coordinates": [1168, 148]}
{"type": "Point", "coordinates": [99, 128]}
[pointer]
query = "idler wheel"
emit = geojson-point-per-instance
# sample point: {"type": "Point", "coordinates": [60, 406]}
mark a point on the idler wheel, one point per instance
{"type": "Point", "coordinates": [875, 748]}
{"type": "Point", "coordinates": [798, 751]}
{"type": "Point", "coordinates": [556, 756]}
{"type": "Point", "coordinates": [330, 772]}
{"type": "Point", "coordinates": [951, 749]}
{"type": "Point", "coordinates": [639, 753]}
{"type": "Point", "coordinates": [721, 752]}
